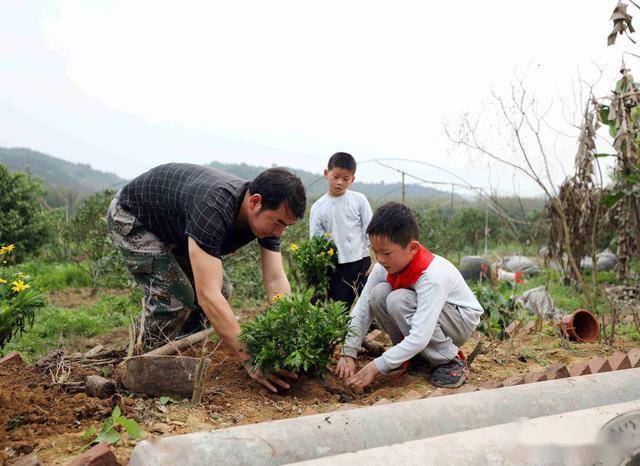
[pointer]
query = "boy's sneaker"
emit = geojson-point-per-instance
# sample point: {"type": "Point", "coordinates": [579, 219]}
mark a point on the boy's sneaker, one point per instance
{"type": "Point", "coordinates": [450, 374]}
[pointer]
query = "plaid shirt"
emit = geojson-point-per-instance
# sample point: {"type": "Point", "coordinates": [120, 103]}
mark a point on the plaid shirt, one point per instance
{"type": "Point", "coordinates": [178, 200]}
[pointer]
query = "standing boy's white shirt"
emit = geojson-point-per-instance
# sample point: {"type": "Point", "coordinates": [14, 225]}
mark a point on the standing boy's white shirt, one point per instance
{"type": "Point", "coordinates": [346, 217]}
{"type": "Point", "coordinates": [441, 282]}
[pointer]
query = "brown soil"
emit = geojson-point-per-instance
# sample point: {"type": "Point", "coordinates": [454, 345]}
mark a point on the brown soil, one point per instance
{"type": "Point", "coordinates": [36, 417]}
{"type": "Point", "coordinates": [73, 298]}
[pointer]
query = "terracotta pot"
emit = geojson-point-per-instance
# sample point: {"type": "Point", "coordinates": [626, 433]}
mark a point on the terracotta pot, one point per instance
{"type": "Point", "coordinates": [581, 326]}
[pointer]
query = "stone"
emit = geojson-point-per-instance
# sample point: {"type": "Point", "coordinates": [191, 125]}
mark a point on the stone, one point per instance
{"type": "Point", "coordinates": [29, 460]}
{"type": "Point", "coordinates": [490, 384]}
{"type": "Point", "coordinates": [598, 365]}
{"type": "Point", "coordinates": [94, 351]}
{"type": "Point", "coordinates": [99, 386]}
{"type": "Point", "coordinates": [619, 361]}
{"type": "Point", "coordinates": [534, 377]}
{"type": "Point", "coordinates": [557, 371]}
{"type": "Point", "coordinates": [634, 357]}
{"type": "Point", "coordinates": [374, 335]}
{"type": "Point", "coordinates": [578, 369]}
{"type": "Point", "coordinates": [99, 455]}
{"type": "Point", "coordinates": [12, 358]}
{"type": "Point", "coordinates": [526, 265]}
{"type": "Point", "coordinates": [513, 380]}
{"type": "Point", "coordinates": [472, 267]}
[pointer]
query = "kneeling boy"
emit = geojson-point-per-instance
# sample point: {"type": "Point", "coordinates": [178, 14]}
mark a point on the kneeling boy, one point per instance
{"type": "Point", "coordinates": [420, 300]}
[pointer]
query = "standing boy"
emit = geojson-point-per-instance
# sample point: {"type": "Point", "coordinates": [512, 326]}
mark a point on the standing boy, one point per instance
{"type": "Point", "coordinates": [420, 300]}
{"type": "Point", "coordinates": [345, 215]}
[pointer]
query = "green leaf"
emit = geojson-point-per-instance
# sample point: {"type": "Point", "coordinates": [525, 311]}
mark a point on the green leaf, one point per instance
{"type": "Point", "coordinates": [604, 155]}
{"type": "Point", "coordinates": [166, 399]}
{"type": "Point", "coordinates": [89, 433]}
{"type": "Point", "coordinates": [115, 414]}
{"type": "Point", "coordinates": [612, 199]}
{"type": "Point", "coordinates": [110, 436]}
{"type": "Point", "coordinates": [132, 428]}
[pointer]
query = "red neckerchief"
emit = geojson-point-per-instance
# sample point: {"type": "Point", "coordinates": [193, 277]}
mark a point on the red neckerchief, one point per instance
{"type": "Point", "coordinates": [409, 276]}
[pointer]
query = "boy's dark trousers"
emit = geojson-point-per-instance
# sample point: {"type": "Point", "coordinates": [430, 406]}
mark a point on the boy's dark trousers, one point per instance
{"type": "Point", "coordinates": [349, 279]}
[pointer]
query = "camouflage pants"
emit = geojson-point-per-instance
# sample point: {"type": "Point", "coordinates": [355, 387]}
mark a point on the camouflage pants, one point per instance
{"type": "Point", "coordinates": [170, 302]}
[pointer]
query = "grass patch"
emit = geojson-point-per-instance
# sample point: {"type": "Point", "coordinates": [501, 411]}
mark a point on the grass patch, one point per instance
{"type": "Point", "coordinates": [49, 276]}
{"type": "Point", "coordinates": [55, 325]}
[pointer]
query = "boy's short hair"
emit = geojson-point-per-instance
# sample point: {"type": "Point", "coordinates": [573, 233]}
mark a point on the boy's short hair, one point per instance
{"type": "Point", "coordinates": [342, 160]}
{"type": "Point", "coordinates": [394, 221]}
{"type": "Point", "coordinates": [279, 186]}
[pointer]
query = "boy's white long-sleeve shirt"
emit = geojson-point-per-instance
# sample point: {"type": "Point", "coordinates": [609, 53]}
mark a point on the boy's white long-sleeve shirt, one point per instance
{"type": "Point", "coordinates": [441, 282]}
{"type": "Point", "coordinates": [346, 217]}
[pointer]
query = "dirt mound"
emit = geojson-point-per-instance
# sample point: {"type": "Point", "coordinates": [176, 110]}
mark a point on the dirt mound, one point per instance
{"type": "Point", "coordinates": [32, 409]}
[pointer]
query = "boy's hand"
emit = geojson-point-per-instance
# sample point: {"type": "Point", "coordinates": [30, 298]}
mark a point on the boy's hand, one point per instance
{"type": "Point", "coordinates": [365, 376]}
{"type": "Point", "coordinates": [346, 367]}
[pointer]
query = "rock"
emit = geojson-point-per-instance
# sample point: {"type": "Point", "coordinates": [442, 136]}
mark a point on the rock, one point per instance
{"type": "Point", "coordinates": [605, 260]}
{"type": "Point", "coordinates": [373, 348]}
{"type": "Point", "coordinates": [374, 335]}
{"type": "Point", "coordinates": [99, 386]}
{"type": "Point", "coordinates": [536, 377]}
{"type": "Point", "coordinates": [100, 455]}
{"type": "Point", "coordinates": [160, 375]}
{"type": "Point", "coordinates": [12, 358]}
{"type": "Point", "coordinates": [471, 267]}
{"type": "Point", "coordinates": [29, 460]}
{"type": "Point", "coordinates": [513, 380]}
{"type": "Point", "coordinates": [492, 384]}
{"type": "Point", "coordinates": [526, 265]}
{"type": "Point", "coordinates": [94, 351]}
{"type": "Point", "coordinates": [538, 302]}
{"type": "Point", "coordinates": [557, 371]}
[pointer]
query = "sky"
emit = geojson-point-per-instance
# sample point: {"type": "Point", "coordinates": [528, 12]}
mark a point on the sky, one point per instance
{"type": "Point", "coordinates": [125, 86]}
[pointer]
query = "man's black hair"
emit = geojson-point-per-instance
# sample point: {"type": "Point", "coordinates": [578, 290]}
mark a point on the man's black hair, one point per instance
{"type": "Point", "coordinates": [396, 222]}
{"type": "Point", "coordinates": [277, 186]}
{"type": "Point", "coordinates": [342, 160]}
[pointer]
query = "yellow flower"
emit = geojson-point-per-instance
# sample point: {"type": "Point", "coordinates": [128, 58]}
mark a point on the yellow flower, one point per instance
{"type": "Point", "coordinates": [327, 235]}
{"type": "Point", "coordinates": [294, 247]}
{"type": "Point", "coordinates": [2, 281]}
{"type": "Point", "coordinates": [19, 286]}
{"type": "Point", "coordinates": [9, 248]}
{"type": "Point", "coordinates": [277, 296]}
{"type": "Point", "coordinates": [331, 251]}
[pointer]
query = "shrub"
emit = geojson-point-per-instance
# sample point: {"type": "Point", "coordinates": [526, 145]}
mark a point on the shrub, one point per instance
{"type": "Point", "coordinates": [19, 302]}
{"type": "Point", "coordinates": [498, 299]}
{"type": "Point", "coordinates": [314, 260]}
{"type": "Point", "coordinates": [294, 334]}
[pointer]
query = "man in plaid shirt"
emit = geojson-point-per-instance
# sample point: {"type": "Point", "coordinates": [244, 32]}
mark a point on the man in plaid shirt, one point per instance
{"type": "Point", "coordinates": [174, 223]}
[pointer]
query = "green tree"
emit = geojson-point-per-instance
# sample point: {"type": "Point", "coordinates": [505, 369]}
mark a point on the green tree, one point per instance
{"type": "Point", "coordinates": [88, 233]}
{"type": "Point", "coordinates": [23, 219]}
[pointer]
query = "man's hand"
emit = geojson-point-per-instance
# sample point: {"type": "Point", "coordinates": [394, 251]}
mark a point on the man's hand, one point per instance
{"type": "Point", "coordinates": [346, 367]}
{"type": "Point", "coordinates": [365, 376]}
{"type": "Point", "coordinates": [259, 377]}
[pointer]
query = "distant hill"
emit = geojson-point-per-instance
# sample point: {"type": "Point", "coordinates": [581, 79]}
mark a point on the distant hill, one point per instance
{"type": "Point", "coordinates": [316, 186]}
{"type": "Point", "coordinates": [63, 177]}
{"type": "Point", "coordinates": [57, 173]}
